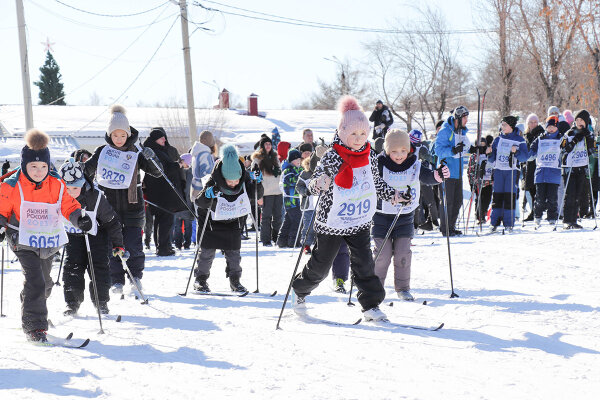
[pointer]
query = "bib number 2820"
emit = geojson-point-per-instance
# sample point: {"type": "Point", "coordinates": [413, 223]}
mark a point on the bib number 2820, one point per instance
{"type": "Point", "coordinates": [350, 209]}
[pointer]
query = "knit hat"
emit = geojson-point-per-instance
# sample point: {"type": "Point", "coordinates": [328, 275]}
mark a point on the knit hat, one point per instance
{"type": "Point", "coordinates": [352, 118]}
{"type": "Point", "coordinates": [511, 120]}
{"type": "Point", "coordinates": [552, 120]}
{"type": "Point", "coordinates": [379, 102]}
{"type": "Point", "coordinates": [568, 114]}
{"type": "Point", "coordinates": [294, 155]}
{"type": "Point", "coordinates": [520, 127]}
{"type": "Point", "coordinates": [532, 117]}
{"type": "Point", "coordinates": [72, 173]}
{"type": "Point", "coordinates": [584, 115]}
{"type": "Point", "coordinates": [157, 133]}
{"type": "Point", "coordinates": [186, 158]}
{"type": "Point", "coordinates": [489, 139]}
{"type": "Point", "coordinates": [378, 145]}
{"type": "Point", "coordinates": [207, 138]}
{"type": "Point", "coordinates": [396, 139]}
{"type": "Point", "coordinates": [230, 163]}
{"type": "Point", "coordinates": [415, 136]}
{"type": "Point", "coordinates": [320, 151]}
{"type": "Point", "coordinates": [118, 120]}
{"type": "Point", "coordinates": [282, 150]}
{"type": "Point", "coordinates": [35, 149]}
{"type": "Point", "coordinates": [553, 110]}
{"type": "Point", "coordinates": [305, 147]}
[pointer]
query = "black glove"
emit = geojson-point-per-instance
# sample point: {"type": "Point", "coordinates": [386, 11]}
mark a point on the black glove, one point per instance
{"type": "Point", "coordinates": [2, 234]}
{"type": "Point", "coordinates": [579, 135]}
{"type": "Point", "coordinates": [84, 223]}
{"type": "Point", "coordinates": [439, 170]}
{"type": "Point", "coordinates": [276, 171]}
{"type": "Point", "coordinates": [407, 195]}
{"type": "Point", "coordinates": [458, 148]}
{"type": "Point", "coordinates": [482, 169]}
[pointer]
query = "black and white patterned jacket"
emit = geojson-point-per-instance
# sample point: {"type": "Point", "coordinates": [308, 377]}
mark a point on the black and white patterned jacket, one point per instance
{"type": "Point", "coordinates": [330, 165]}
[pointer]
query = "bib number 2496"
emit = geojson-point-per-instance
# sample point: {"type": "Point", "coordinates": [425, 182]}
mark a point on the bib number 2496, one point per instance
{"type": "Point", "coordinates": [350, 209]}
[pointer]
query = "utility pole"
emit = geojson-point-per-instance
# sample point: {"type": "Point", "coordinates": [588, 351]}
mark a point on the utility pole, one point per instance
{"type": "Point", "coordinates": [189, 88]}
{"type": "Point", "coordinates": [24, 66]}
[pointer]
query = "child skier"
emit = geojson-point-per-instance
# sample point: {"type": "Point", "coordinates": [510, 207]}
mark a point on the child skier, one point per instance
{"type": "Point", "coordinates": [505, 148]}
{"type": "Point", "coordinates": [480, 178]}
{"type": "Point", "coordinates": [32, 200]}
{"type": "Point", "coordinates": [116, 166]}
{"type": "Point", "coordinates": [400, 168]}
{"type": "Point", "coordinates": [226, 195]}
{"type": "Point", "coordinates": [345, 211]}
{"type": "Point", "coordinates": [105, 232]}
{"type": "Point", "coordinates": [293, 215]}
{"type": "Point", "coordinates": [546, 151]}
{"type": "Point", "coordinates": [578, 143]}
{"type": "Point", "coordinates": [307, 203]}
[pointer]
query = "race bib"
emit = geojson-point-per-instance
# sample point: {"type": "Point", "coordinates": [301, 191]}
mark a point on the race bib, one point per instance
{"type": "Point", "coordinates": [40, 224]}
{"type": "Point", "coordinates": [578, 157]}
{"type": "Point", "coordinates": [403, 181]}
{"type": "Point", "coordinates": [548, 155]}
{"type": "Point", "coordinates": [503, 152]}
{"type": "Point", "coordinates": [355, 206]}
{"type": "Point", "coordinates": [225, 210]}
{"type": "Point", "coordinates": [115, 168]}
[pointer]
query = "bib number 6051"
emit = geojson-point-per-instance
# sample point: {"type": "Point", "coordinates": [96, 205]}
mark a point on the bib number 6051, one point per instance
{"type": "Point", "coordinates": [350, 209]}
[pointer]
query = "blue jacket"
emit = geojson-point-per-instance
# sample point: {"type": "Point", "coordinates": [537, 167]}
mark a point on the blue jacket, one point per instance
{"type": "Point", "coordinates": [522, 153]}
{"type": "Point", "coordinates": [545, 174]}
{"type": "Point", "coordinates": [446, 139]}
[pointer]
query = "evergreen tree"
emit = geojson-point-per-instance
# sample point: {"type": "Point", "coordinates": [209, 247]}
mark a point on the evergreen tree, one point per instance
{"type": "Point", "coordinates": [50, 86]}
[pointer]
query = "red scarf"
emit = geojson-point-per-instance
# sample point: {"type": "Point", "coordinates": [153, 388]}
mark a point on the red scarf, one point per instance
{"type": "Point", "coordinates": [352, 159]}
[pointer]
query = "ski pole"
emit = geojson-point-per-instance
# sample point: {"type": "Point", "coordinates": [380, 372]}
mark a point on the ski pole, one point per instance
{"type": "Point", "coordinates": [62, 257]}
{"type": "Point", "coordinates": [2, 286]}
{"type": "Point", "coordinates": [255, 222]}
{"type": "Point", "coordinates": [299, 229]}
{"type": "Point", "coordinates": [560, 207]}
{"type": "Point", "coordinates": [387, 236]}
{"type": "Point", "coordinates": [452, 295]}
{"type": "Point", "coordinates": [198, 245]}
{"type": "Point", "coordinates": [591, 191]}
{"type": "Point", "coordinates": [93, 276]}
{"type": "Point", "coordinates": [287, 294]}
{"type": "Point", "coordinates": [162, 172]}
{"type": "Point", "coordinates": [137, 287]}
{"type": "Point", "coordinates": [512, 187]}
{"type": "Point", "coordinates": [159, 207]}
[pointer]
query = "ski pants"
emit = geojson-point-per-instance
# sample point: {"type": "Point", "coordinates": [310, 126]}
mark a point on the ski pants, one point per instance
{"type": "Point", "coordinates": [504, 197]}
{"type": "Point", "coordinates": [233, 260]}
{"type": "Point", "coordinates": [428, 203]}
{"type": "Point", "coordinates": [399, 249]}
{"type": "Point", "coordinates": [370, 291]}
{"type": "Point", "coordinates": [308, 233]}
{"type": "Point", "coordinates": [271, 218]}
{"type": "Point", "coordinates": [485, 197]}
{"type": "Point", "coordinates": [36, 289]}
{"type": "Point", "coordinates": [132, 240]}
{"type": "Point", "coordinates": [454, 199]}
{"type": "Point", "coordinates": [76, 264]}
{"type": "Point", "coordinates": [573, 193]}
{"type": "Point", "coordinates": [183, 237]}
{"type": "Point", "coordinates": [289, 229]}
{"type": "Point", "coordinates": [163, 230]}
{"type": "Point", "coordinates": [546, 199]}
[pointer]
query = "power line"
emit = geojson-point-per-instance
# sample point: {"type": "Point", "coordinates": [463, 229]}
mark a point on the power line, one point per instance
{"type": "Point", "coordinates": [134, 79]}
{"type": "Point", "coordinates": [111, 15]}
{"type": "Point", "coordinates": [320, 25]}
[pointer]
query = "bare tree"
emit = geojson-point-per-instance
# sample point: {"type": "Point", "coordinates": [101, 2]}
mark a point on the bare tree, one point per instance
{"type": "Point", "coordinates": [348, 81]}
{"type": "Point", "coordinates": [590, 18]}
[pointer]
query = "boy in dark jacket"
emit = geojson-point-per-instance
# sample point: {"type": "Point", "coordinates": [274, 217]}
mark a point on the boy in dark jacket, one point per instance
{"type": "Point", "coordinates": [401, 169]}
{"type": "Point", "coordinates": [293, 215]}
{"type": "Point", "coordinates": [105, 232]}
{"type": "Point", "coordinates": [115, 166]}
{"type": "Point", "coordinates": [226, 195]}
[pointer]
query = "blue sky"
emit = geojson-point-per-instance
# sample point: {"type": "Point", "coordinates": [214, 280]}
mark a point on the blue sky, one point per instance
{"type": "Point", "coordinates": [281, 63]}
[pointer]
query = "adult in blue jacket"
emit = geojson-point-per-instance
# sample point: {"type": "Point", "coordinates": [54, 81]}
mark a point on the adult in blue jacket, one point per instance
{"type": "Point", "coordinates": [451, 146]}
{"type": "Point", "coordinates": [545, 149]}
{"type": "Point", "coordinates": [507, 149]}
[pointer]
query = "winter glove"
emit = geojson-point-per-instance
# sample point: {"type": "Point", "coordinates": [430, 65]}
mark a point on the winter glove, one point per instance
{"type": "Point", "coordinates": [458, 148]}
{"type": "Point", "coordinates": [118, 252]}
{"type": "Point", "coordinates": [440, 170]}
{"type": "Point", "coordinates": [2, 234]}
{"type": "Point", "coordinates": [441, 173]}
{"type": "Point", "coordinates": [148, 153]}
{"type": "Point", "coordinates": [482, 169]}
{"type": "Point", "coordinates": [256, 174]}
{"type": "Point", "coordinates": [84, 223]}
{"type": "Point", "coordinates": [579, 135]}
{"type": "Point", "coordinates": [210, 193]}
{"type": "Point", "coordinates": [323, 183]}
{"type": "Point", "coordinates": [276, 171]}
{"type": "Point", "coordinates": [400, 197]}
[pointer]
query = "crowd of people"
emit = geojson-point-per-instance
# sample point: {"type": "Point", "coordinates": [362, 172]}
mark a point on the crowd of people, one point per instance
{"type": "Point", "coordinates": [333, 200]}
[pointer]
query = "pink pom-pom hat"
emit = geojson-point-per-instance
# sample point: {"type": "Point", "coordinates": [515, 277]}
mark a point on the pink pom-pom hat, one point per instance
{"type": "Point", "coordinates": [352, 117]}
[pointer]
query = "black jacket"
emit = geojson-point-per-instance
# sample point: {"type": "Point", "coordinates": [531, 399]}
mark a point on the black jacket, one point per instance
{"type": "Point", "coordinates": [225, 235]}
{"type": "Point", "coordinates": [158, 190]}
{"type": "Point", "coordinates": [570, 141]}
{"type": "Point", "coordinates": [529, 172]}
{"type": "Point", "coordinates": [129, 214]}
{"type": "Point", "coordinates": [107, 218]}
{"type": "Point", "coordinates": [383, 116]}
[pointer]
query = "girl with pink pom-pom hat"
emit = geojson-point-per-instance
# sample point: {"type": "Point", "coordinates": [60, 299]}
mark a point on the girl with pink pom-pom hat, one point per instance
{"type": "Point", "coordinates": [348, 185]}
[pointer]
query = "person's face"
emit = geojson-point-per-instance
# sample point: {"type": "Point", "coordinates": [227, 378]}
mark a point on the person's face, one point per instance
{"type": "Point", "coordinates": [268, 146]}
{"type": "Point", "coordinates": [247, 163]}
{"type": "Point", "coordinates": [307, 137]}
{"type": "Point", "coordinates": [306, 154]}
{"type": "Point", "coordinates": [554, 113]}
{"type": "Point", "coordinates": [580, 123]}
{"type": "Point", "coordinates": [357, 139]}
{"type": "Point", "coordinates": [483, 143]}
{"type": "Point", "coordinates": [379, 106]}
{"type": "Point", "coordinates": [161, 140]}
{"type": "Point", "coordinates": [232, 182]}
{"type": "Point", "coordinates": [297, 162]}
{"type": "Point", "coordinates": [506, 128]}
{"type": "Point", "coordinates": [37, 170]}
{"type": "Point", "coordinates": [118, 137]}
{"type": "Point", "coordinates": [438, 129]}
{"type": "Point", "coordinates": [551, 129]}
{"type": "Point", "coordinates": [463, 120]}
{"type": "Point", "coordinates": [399, 155]}
{"type": "Point", "coordinates": [74, 191]}
{"type": "Point", "coordinates": [532, 124]}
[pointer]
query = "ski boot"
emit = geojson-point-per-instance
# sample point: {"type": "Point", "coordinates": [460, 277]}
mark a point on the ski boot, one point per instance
{"type": "Point", "coordinates": [103, 308]}
{"type": "Point", "coordinates": [307, 249]}
{"type": "Point", "coordinates": [235, 285]}
{"type": "Point", "coordinates": [71, 309]}
{"type": "Point", "coordinates": [338, 286]}
{"type": "Point", "coordinates": [37, 335]}
{"type": "Point", "coordinates": [405, 295]}
{"type": "Point", "coordinates": [538, 222]}
{"type": "Point", "coordinates": [574, 225]}
{"type": "Point", "coordinates": [374, 314]}
{"type": "Point", "coordinates": [117, 288]}
{"type": "Point", "coordinates": [300, 305]}
{"type": "Point", "coordinates": [200, 285]}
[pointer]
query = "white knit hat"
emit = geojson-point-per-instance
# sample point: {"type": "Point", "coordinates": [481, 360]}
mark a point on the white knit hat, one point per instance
{"type": "Point", "coordinates": [118, 120]}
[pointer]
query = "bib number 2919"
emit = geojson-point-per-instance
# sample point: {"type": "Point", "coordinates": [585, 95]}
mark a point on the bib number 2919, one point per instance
{"type": "Point", "coordinates": [351, 209]}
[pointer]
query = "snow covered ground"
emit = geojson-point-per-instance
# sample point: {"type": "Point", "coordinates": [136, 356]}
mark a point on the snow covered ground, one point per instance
{"type": "Point", "coordinates": [526, 326]}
